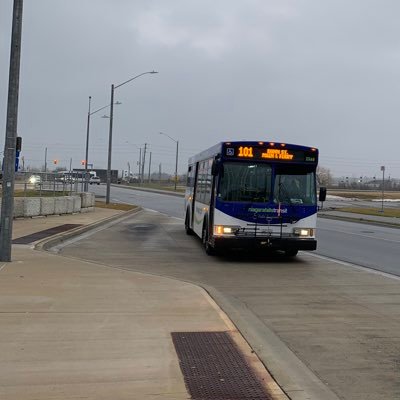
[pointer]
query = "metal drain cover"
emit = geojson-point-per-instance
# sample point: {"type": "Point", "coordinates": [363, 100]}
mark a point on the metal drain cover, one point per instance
{"type": "Point", "coordinates": [214, 369]}
{"type": "Point", "coordinates": [45, 233]}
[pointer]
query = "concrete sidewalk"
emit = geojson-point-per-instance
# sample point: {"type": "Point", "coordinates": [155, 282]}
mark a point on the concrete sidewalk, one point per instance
{"type": "Point", "coordinates": [72, 329]}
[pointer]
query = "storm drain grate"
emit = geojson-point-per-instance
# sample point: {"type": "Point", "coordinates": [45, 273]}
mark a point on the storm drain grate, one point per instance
{"type": "Point", "coordinates": [44, 234]}
{"type": "Point", "coordinates": [214, 368]}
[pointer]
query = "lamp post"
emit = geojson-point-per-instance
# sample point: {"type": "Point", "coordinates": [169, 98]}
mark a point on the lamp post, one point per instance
{"type": "Point", "coordinates": [87, 145]}
{"type": "Point", "coordinates": [176, 158]}
{"type": "Point", "coordinates": [113, 87]}
{"type": "Point", "coordinates": [87, 138]}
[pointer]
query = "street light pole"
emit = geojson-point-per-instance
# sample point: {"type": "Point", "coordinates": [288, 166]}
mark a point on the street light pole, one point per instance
{"type": "Point", "coordinates": [87, 138]}
{"type": "Point", "coordinates": [113, 87]}
{"type": "Point", "coordinates": [110, 146]}
{"type": "Point", "coordinates": [87, 146]}
{"type": "Point", "coordinates": [176, 157]}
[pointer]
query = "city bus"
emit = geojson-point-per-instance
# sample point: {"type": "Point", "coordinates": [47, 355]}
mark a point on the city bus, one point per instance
{"type": "Point", "coordinates": [253, 195]}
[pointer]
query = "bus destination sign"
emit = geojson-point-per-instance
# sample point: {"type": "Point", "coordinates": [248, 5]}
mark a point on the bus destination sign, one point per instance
{"type": "Point", "coordinates": [271, 153]}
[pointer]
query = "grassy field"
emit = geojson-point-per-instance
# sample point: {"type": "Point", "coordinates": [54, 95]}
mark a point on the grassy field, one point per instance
{"type": "Point", "coordinates": [387, 212]}
{"type": "Point", "coordinates": [369, 195]}
{"type": "Point", "coordinates": [364, 194]}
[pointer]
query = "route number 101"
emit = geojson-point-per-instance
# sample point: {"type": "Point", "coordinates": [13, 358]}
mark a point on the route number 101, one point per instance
{"type": "Point", "coordinates": [245, 152]}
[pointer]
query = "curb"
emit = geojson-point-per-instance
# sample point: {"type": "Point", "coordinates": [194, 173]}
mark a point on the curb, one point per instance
{"type": "Point", "coordinates": [288, 371]}
{"type": "Point", "coordinates": [60, 238]}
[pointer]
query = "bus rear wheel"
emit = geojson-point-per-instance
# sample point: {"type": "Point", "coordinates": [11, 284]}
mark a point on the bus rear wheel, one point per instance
{"type": "Point", "coordinates": [206, 244]}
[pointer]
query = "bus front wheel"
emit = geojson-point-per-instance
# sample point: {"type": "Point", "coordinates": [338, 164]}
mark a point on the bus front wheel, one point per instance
{"type": "Point", "coordinates": [291, 253]}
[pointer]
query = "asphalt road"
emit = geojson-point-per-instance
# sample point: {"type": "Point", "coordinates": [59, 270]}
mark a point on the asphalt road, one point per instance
{"type": "Point", "coordinates": [169, 205]}
{"type": "Point", "coordinates": [366, 245]}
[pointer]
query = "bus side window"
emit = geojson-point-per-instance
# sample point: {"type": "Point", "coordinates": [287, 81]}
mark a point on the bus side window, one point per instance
{"type": "Point", "coordinates": [208, 181]}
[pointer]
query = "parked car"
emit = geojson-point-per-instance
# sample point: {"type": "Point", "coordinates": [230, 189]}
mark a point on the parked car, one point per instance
{"type": "Point", "coordinates": [95, 180]}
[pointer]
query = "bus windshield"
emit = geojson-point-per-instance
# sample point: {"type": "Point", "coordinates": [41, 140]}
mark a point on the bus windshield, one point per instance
{"type": "Point", "coordinates": [294, 186]}
{"type": "Point", "coordinates": [248, 182]}
{"type": "Point", "coordinates": [256, 183]}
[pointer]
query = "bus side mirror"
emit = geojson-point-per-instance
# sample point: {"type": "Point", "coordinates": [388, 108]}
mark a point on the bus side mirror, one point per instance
{"type": "Point", "coordinates": [322, 194]}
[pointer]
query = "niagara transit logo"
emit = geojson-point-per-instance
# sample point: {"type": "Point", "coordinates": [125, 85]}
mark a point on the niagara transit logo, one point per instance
{"type": "Point", "coordinates": [268, 210]}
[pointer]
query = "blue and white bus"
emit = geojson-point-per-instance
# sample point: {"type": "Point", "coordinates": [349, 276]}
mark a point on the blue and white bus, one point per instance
{"type": "Point", "coordinates": [253, 194]}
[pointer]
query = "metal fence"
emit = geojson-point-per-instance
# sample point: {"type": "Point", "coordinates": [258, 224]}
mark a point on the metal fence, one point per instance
{"type": "Point", "coordinates": [30, 184]}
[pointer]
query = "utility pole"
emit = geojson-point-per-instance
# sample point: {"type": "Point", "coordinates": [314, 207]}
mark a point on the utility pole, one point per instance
{"type": "Point", "coordinates": [149, 167]}
{"type": "Point", "coordinates": [45, 159]}
{"type": "Point", "coordinates": [176, 164]}
{"type": "Point", "coordinates": [140, 166]}
{"type": "Point", "coordinates": [383, 185]}
{"type": "Point", "coordinates": [7, 202]}
{"type": "Point", "coordinates": [159, 173]}
{"type": "Point", "coordinates": [144, 161]}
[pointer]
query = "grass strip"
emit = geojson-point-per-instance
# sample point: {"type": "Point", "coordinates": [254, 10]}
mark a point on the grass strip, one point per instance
{"type": "Point", "coordinates": [115, 206]}
{"type": "Point", "coordinates": [389, 212]}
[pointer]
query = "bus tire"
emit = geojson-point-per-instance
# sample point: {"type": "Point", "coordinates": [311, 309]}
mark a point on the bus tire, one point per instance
{"type": "Point", "coordinates": [206, 244]}
{"type": "Point", "coordinates": [291, 253]}
{"type": "Point", "coordinates": [188, 229]}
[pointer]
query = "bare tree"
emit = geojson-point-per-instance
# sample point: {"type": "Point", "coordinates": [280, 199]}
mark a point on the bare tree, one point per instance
{"type": "Point", "coordinates": [324, 176]}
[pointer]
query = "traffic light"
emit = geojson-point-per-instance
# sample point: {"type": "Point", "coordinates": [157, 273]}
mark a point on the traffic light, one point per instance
{"type": "Point", "coordinates": [55, 161]}
{"type": "Point", "coordinates": [83, 162]}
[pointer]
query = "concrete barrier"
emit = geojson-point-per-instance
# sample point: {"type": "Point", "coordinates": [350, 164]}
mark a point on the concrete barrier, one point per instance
{"type": "Point", "coordinates": [60, 205]}
{"type": "Point", "coordinates": [32, 206]}
{"type": "Point", "coordinates": [36, 206]}
{"type": "Point", "coordinates": [47, 205]}
{"type": "Point", "coordinates": [88, 199]}
{"type": "Point", "coordinates": [77, 204]}
{"type": "Point", "coordinates": [19, 207]}
{"type": "Point", "coordinates": [69, 202]}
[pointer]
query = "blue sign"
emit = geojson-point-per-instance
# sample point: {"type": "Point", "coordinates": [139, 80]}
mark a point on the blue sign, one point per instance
{"type": "Point", "coordinates": [17, 152]}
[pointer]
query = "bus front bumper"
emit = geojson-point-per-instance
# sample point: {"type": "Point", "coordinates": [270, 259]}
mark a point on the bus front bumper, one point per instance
{"type": "Point", "coordinates": [263, 243]}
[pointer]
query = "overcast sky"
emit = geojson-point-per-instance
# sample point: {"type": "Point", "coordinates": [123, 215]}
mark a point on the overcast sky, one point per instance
{"type": "Point", "coordinates": [319, 73]}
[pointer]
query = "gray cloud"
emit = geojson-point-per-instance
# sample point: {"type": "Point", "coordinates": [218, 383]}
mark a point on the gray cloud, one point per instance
{"type": "Point", "coordinates": [323, 74]}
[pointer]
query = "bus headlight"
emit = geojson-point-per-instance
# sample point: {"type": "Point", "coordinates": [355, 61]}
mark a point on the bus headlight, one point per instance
{"type": "Point", "coordinates": [303, 232]}
{"type": "Point", "coordinates": [225, 230]}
